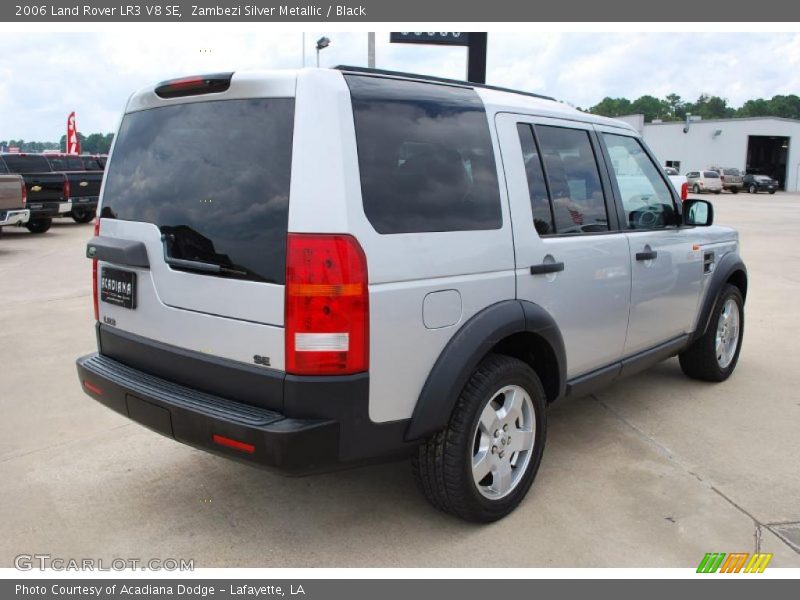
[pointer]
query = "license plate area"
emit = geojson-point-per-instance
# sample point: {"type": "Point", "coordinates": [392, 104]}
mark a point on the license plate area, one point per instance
{"type": "Point", "coordinates": [118, 287]}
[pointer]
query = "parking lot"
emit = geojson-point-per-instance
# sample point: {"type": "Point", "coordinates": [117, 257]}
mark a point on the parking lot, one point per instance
{"type": "Point", "coordinates": [654, 471]}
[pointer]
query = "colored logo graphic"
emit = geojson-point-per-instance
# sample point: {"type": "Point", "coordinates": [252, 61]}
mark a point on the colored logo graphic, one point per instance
{"type": "Point", "coordinates": [736, 562]}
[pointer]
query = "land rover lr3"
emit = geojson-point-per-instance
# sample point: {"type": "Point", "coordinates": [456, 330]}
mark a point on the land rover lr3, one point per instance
{"type": "Point", "coordinates": [325, 267]}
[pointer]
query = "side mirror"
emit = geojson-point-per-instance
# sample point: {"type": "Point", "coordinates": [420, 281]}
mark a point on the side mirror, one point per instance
{"type": "Point", "coordinates": [699, 213]}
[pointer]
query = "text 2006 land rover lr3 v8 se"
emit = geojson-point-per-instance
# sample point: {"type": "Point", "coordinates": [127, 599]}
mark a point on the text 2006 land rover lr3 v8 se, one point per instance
{"type": "Point", "coordinates": [373, 264]}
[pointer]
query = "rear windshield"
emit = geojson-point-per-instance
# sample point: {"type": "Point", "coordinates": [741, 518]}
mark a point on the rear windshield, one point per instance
{"type": "Point", "coordinates": [30, 163]}
{"type": "Point", "coordinates": [711, 175]}
{"type": "Point", "coordinates": [731, 172]}
{"type": "Point", "coordinates": [214, 176]}
{"type": "Point", "coordinates": [66, 163]}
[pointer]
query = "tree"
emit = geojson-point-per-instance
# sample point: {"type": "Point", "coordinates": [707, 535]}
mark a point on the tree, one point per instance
{"type": "Point", "coordinates": [612, 107]}
{"type": "Point", "coordinates": [651, 107]}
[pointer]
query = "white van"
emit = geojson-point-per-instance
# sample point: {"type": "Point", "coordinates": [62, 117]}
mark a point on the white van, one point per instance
{"type": "Point", "coordinates": [317, 268]}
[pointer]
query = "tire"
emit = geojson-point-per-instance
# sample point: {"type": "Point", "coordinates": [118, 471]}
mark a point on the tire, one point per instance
{"type": "Point", "coordinates": [443, 464]}
{"type": "Point", "coordinates": [752, 189]}
{"type": "Point", "coordinates": [772, 191]}
{"type": "Point", "coordinates": [717, 192]}
{"type": "Point", "coordinates": [701, 360]}
{"type": "Point", "coordinates": [735, 190]}
{"type": "Point", "coordinates": [696, 189]}
{"type": "Point", "coordinates": [81, 215]}
{"type": "Point", "coordinates": [39, 225]}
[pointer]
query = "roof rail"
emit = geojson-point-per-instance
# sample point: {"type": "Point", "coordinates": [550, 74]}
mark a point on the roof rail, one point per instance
{"type": "Point", "coordinates": [433, 79]}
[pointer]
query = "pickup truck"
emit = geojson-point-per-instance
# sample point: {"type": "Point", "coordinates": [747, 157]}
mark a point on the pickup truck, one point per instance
{"type": "Point", "coordinates": [678, 181]}
{"type": "Point", "coordinates": [84, 184]}
{"type": "Point", "coordinates": [47, 192]}
{"type": "Point", "coordinates": [13, 196]}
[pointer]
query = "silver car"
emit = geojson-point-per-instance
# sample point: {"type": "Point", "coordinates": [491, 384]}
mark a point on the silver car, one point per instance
{"type": "Point", "coordinates": [316, 268]}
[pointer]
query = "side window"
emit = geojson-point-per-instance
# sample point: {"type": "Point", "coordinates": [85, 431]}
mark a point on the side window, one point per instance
{"type": "Point", "coordinates": [576, 193]}
{"type": "Point", "coordinates": [540, 201]}
{"type": "Point", "coordinates": [646, 198]}
{"type": "Point", "coordinates": [425, 156]}
{"type": "Point", "coordinates": [3, 168]}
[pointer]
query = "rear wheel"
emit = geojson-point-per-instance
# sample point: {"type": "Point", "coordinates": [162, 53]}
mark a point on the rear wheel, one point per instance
{"type": "Point", "coordinates": [717, 192]}
{"type": "Point", "coordinates": [39, 225]}
{"type": "Point", "coordinates": [82, 215]}
{"type": "Point", "coordinates": [772, 191]}
{"type": "Point", "coordinates": [696, 189]}
{"type": "Point", "coordinates": [713, 356]}
{"type": "Point", "coordinates": [735, 190]}
{"type": "Point", "coordinates": [482, 464]}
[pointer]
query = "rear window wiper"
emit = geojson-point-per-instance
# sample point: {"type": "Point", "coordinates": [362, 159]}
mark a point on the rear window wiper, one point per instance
{"type": "Point", "coordinates": [197, 265]}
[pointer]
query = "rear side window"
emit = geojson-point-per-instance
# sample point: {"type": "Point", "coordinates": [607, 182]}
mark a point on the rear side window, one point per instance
{"type": "Point", "coordinates": [92, 164]}
{"type": "Point", "coordinates": [27, 163]}
{"type": "Point", "coordinates": [213, 176]}
{"type": "Point", "coordinates": [573, 180]}
{"type": "Point", "coordinates": [425, 157]}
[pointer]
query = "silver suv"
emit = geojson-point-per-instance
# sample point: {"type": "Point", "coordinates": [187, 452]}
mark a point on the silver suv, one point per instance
{"type": "Point", "coordinates": [319, 268]}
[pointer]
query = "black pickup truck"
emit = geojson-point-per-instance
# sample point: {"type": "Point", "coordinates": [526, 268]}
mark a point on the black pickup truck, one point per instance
{"type": "Point", "coordinates": [48, 192]}
{"type": "Point", "coordinates": [84, 183]}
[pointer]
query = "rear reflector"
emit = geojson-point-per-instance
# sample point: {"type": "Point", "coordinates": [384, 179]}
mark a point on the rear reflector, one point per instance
{"type": "Point", "coordinates": [327, 305]}
{"type": "Point", "coordinates": [235, 444]}
{"type": "Point", "coordinates": [92, 388]}
{"type": "Point", "coordinates": [192, 86]}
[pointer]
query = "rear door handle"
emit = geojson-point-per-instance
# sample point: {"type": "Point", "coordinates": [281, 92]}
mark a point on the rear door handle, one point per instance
{"type": "Point", "coordinates": [555, 267]}
{"type": "Point", "coordinates": [652, 254]}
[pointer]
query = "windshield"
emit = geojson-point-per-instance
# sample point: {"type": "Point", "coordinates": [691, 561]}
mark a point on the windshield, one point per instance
{"type": "Point", "coordinates": [214, 177]}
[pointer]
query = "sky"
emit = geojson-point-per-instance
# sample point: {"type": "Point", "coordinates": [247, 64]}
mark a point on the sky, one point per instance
{"type": "Point", "coordinates": [51, 74]}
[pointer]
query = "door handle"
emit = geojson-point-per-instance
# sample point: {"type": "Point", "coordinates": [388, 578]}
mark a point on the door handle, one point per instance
{"type": "Point", "coordinates": [652, 254]}
{"type": "Point", "coordinates": [544, 268]}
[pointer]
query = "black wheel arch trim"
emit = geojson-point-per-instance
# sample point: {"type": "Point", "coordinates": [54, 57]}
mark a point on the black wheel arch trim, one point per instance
{"type": "Point", "coordinates": [474, 340]}
{"type": "Point", "coordinates": [727, 267]}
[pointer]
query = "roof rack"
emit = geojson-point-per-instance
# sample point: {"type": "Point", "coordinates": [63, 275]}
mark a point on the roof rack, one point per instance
{"type": "Point", "coordinates": [431, 78]}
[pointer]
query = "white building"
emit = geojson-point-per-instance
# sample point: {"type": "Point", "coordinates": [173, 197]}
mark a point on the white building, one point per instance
{"type": "Point", "coordinates": [759, 145]}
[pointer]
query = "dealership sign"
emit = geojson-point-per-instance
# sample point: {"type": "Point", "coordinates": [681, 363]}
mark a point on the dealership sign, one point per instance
{"type": "Point", "coordinates": [444, 38]}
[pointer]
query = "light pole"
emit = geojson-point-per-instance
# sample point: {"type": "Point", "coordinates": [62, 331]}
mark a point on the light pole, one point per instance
{"type": "Point", "coordinates": [322, 43]}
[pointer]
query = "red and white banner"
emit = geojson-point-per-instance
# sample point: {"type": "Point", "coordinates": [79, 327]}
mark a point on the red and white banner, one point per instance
{"type": "Point", "coordinates": [73, 144]}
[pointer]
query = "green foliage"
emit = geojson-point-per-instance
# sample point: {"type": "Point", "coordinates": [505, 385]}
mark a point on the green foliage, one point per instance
{"type": "Point", "coordinates": [674, 108]}
{"type": "Point", "coordinates": [94, 143]}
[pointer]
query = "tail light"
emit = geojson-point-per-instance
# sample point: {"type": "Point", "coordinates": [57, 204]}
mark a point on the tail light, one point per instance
{"type": "Point", "coordinates": [66, 190]}
{"type": "Point", "coordinates": [24, 194]}
{"type": "Point", "coordinates": [327, 305]}
{"type": "Point", "coordinates": [95, 299]}
{"type": "Point", "coordinates": [684, 191]}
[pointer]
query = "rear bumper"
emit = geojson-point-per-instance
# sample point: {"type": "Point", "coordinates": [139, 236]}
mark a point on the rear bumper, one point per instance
{"type": "Point", "coordinates": [88, 202]}
{"type": "Point", "coordinates": [41, 210]}
{"type": "Point", "coordinates": [266, 437]}
{"type": "Point", "coordinates": [298, 424]}
{"type": "Point", "coordinates": [14, 217]}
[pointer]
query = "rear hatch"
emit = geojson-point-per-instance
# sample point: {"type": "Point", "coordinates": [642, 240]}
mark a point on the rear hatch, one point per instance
{"type": "Point", "coordinates": [84, 182]}
{"type": "Point", "coordinates": [203, 183]}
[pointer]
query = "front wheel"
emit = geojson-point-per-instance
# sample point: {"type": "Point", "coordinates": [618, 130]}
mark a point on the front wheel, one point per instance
{"type": "Point", "coordinates": [713, 356]}
{"type": "Point", "coordinates": [482, 464]}
{"type": "Point", "coordinates": [752, 189]}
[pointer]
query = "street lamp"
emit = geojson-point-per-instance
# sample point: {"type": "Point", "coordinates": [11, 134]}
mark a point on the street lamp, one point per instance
{"type": "Point", "coordinates": [322, 43]}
